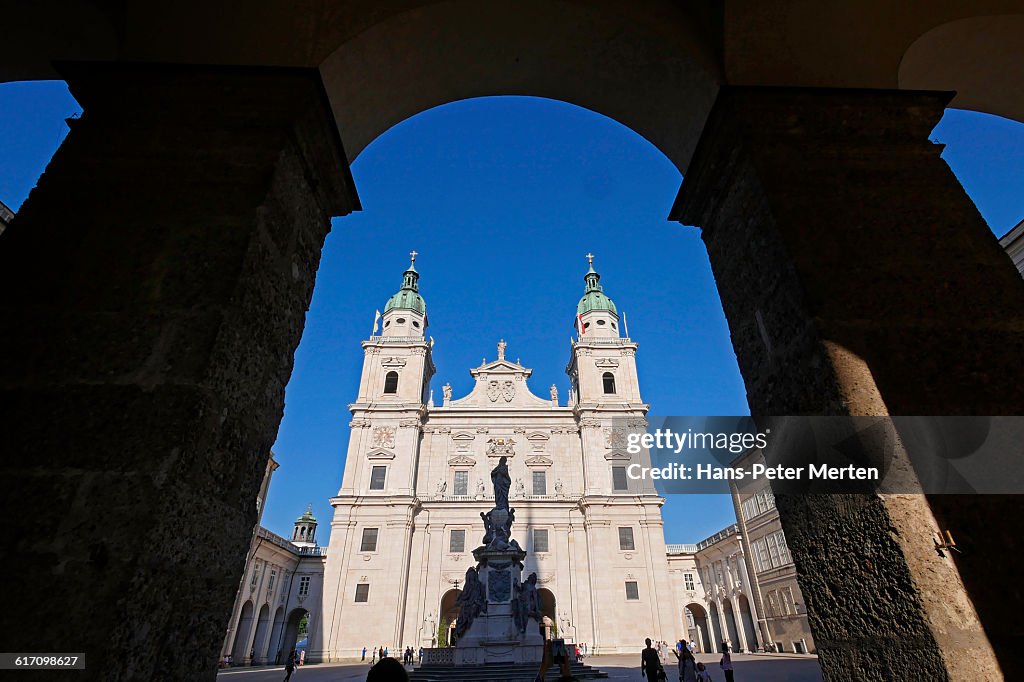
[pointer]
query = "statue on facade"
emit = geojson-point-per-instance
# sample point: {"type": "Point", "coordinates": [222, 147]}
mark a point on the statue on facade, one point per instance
{"type": "Point", "coordinates": [442, 486]}
{"type": "Point", "coordinates": [501, 349]}
{"type": "Point", "coordinates": [446, 391]}
{"type": "Point", "coordinates": [520, 488]}
{"type": "Point", "coordinates": [472, 602]}
{"type": "Point", "coordinates": [526, 603]}
{"type": "Point", "coordinates": [554, 393]}
{"type": "Point", "coordinates": [481, 489]}
{"type": "Point", "coordinates": [559, 487]}
{"type": "Point", "coordinates": [502, 482]}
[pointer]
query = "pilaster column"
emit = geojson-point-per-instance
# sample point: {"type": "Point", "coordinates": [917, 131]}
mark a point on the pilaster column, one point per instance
{"type": "Point", "coordinates": [737, 617]}
{"type": "Point", "coordinates": [859, 279]}
{"type": "Point", "coordinates": [155, 288]}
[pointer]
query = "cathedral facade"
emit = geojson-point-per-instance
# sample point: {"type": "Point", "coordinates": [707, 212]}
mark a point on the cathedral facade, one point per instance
{"type": "Point", "coordinates": [407, 515]}
{"type": "Point", "coordinates": [417, 480]}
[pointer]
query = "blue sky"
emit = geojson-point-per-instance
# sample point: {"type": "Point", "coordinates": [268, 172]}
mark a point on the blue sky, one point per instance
{"type": "Point", "coordinates": [502, 197]}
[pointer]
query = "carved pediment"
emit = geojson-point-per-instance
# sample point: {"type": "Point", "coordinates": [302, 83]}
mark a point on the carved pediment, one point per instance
{"type": "Point", "coordinates": [380, 453]}
{"type": "Point", "coordinates": [393, 362]}
{"type": "Point", "coordinates": [606, 363]}
{"type": "Point", "coordinates": [461, 460]}
{"type": "Point", "coordinates": [618, 457]}
{"type": "Point", "coordinates": [462, 436]}
{"type": "Point", "coordinates": [539, 461]}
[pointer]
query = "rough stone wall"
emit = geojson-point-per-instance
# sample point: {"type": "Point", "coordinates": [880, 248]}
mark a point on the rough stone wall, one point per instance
{"type": "Point", "coordinates": [858, 278]}
{"type": "Point", "coordinates": [156, 285]}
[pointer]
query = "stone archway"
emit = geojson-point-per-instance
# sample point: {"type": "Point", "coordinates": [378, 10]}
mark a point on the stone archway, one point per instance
{"type": "Point", "coordinates": [291, 631]}
{"type": "Point", "coordinates": [274, 653]}
{"type": "Point", "coordinates": [732, 632]}
{"type": "Point", "coordinates": [448, 613]}
{"type": "Point", "coordinates": [716, 627]}
{"type": "Point", "coordinates": [239, 653]}
{"type": "Point", "coordinates": [800, 253]}
{"type": "Point", "coordinates": [699, 632]}
{"type": "Point", "coordinates": [746, 621]}
{"type": "Point", "coordinates": [549, 612]}
{"type": "Point", "coordinates": [261, 639]}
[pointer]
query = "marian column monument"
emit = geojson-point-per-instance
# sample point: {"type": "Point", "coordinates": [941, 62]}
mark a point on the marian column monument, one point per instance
{"type": "Point", "coordinates": [499, 612]}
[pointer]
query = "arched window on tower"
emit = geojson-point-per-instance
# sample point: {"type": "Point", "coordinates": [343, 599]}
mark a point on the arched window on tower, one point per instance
{"type": "Point", "coordinates": [391, 382]}
{"type": "Point", "coordinates": [609, 382]}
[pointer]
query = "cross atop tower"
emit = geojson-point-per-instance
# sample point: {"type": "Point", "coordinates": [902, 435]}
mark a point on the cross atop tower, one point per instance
{"type": "Point", "coordinates": [590, 259]}
{"type": "Point", "coordinates": [413, 254]}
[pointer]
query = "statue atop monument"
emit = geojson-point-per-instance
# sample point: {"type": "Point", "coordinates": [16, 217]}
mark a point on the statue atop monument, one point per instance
{"type": "Point", "coordinates": [502, 483]}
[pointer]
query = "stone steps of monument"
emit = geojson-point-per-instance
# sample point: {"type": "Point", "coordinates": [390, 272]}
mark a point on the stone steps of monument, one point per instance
{"type": "Point", "coordinates": [498, 672]}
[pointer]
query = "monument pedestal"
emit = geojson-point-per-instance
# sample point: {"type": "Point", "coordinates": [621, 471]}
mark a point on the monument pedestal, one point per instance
{"type": "Point", "coordinates": [494, 636]}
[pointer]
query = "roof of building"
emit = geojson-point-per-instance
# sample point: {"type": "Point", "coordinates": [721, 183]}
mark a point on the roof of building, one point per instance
{"type": "Point", "coordinates": [408, 297]}
{"type": "Point", "coordinates": [594, 297]}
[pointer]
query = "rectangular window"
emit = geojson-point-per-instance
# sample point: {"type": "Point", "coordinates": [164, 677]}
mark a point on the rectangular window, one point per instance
{"type": "Point", "coordinates": [632, 590]}
{"type": "Point", "coordinates": [377, 475]}
{"type": "Point", "coordinates": [304, 585]}
{"type": "Point", "coordinates": [369, 543]}
{"type": "Point", "coordinates": [457, 541]}
{"type": "Point", "coordinates": [626, 540]}
{"type": "Point", "coordinates": [540, 540]}
{"type": "Point", "coordinates": [620, 483]}
{"type": "Point", "coordinates": [461, 486]}
{"type": "Point", "coordinates": [688, 581]}
{"type": "Point", "coordinates": [540, 483]}
{"type": "Point", "coordinates": [255, 577]}
{"type": "Point", "coordinates": [270, 583]}
{"type": "Point", "coordinates": [362, 593]}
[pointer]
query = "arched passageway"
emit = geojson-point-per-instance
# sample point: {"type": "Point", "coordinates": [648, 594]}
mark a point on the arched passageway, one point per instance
{"type": "Point", "coordinates": [293, 631]}
{"type": "Point", "coordinates": [239, 650]}
{"type": "Point", "coordinates": [261, 639]}
{"type": "Point", "coordinates": [746, 621]}
{"type": "Point", "coordinates": [549, 613]}
{"type": "Point", "coordinates": [697, 627]}
{"type": "Point", "coordinates": [805, 225]}
{"type": "Point", "coordinates": [732, 633]}
{"type": "Point", "coordinates": [448, 614]}
{"type": "Point", "coordinates": [716, 627]}
{"type": "Point", "coordinates": [274, 643]}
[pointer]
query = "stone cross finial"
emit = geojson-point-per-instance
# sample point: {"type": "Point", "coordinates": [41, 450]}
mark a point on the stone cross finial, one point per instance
{"type": "Point", "coordinates": [590, 259]}
{"type": "Point", "coordinates": [501, 349]}
{"type": "Point", "coordinates": [413, 254]}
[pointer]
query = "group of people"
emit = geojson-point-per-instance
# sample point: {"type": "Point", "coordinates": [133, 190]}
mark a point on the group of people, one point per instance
{"type": "Point", "coordinates": [689, 669]}
{"type": "Point", "coordinates": [380, 653]}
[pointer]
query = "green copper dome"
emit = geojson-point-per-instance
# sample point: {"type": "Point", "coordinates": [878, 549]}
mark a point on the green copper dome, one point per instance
{"type": "Point", "coordinates": [307, 516]}
{"type": "Point", "coordinates": [594, 297]}
{"type": "Point", "coordinates": [408, 297]}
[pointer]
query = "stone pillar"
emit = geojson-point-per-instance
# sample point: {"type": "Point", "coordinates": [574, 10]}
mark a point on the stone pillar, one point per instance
{"type": "Point", "coordinates": [737, 617]}
{"type": "Point", "coordinates": [859, 279]}
{"type": "Point", "coordinates": [155, 288]}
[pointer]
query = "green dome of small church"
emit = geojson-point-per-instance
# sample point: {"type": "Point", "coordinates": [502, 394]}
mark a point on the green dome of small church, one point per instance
{"type": "Point", "coordinates": [594, 297]}
{"type": "Point", "coordinates": [408, 297]}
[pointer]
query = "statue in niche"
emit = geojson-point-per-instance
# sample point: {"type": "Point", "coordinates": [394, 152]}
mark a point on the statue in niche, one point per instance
{"type": "Point", "coordinates": [472, 602]}
{"type": "Point", "coordinates": [502, 482]}
{"type": "Point", "coordinates": [527, 603]}
{"type": "Point", "coordinates": [520, 488]}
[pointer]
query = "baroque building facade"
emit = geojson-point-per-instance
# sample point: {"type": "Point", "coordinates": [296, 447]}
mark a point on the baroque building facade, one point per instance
{"type": "Point", "coordinates": [416, 481]}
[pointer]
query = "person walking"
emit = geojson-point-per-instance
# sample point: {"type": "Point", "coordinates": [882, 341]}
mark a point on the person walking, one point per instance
{"type": "Point", "coordinates": [726, 663]}
{"type": "Point", "coordinates": [687, 664]}
{"type": "Point", "coordinates": [364, 654]}
{"type": "Point", "coordinates": [650, 662]}
{"type": "Point", "coordinates": [289, 666]}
